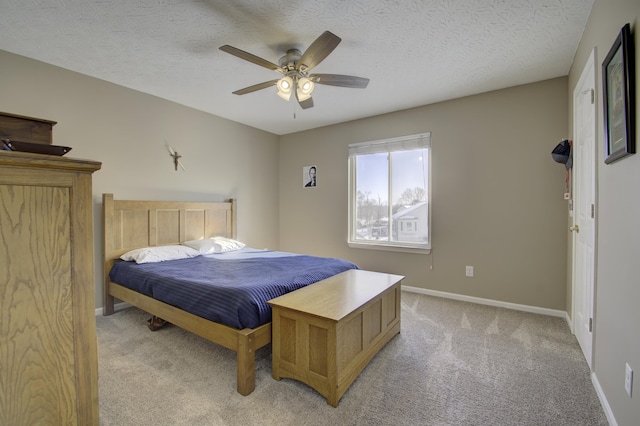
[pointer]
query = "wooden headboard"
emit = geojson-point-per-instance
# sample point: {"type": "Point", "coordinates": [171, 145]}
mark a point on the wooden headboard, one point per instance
{"type": "Point", "coordinates": [130, 224]}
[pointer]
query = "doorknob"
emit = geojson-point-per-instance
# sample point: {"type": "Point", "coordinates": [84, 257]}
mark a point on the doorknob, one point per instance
{"type": "Point", "coordinates": [574, 228]}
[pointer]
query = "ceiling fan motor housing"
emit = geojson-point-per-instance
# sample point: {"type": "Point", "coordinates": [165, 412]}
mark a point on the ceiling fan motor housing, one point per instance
{"type": "Point", "coordinates": [289, 61]}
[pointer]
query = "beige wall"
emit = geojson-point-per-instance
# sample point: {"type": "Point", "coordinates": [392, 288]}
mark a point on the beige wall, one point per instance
{"type": "Point", "coordinates": [126, 130]}
{"type": "Point", "coordinates": [497, 195]}
{"type": "Point", "coordinates": [617, 317]}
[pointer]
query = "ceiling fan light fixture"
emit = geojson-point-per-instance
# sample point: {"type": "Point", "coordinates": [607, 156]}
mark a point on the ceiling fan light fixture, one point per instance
{"type": "Point", "coordinates": [284, 95]}
{"type": "Point", "coordinates": [304, 89]}
{"type": "Point", "coordinates": [302, 96]}
{"type": "Point", "coordinates": [285, 84]}
{"type": "Point", "coordinates": [294, 68]}
{"type": "Point", "coordinates": [305, 85]}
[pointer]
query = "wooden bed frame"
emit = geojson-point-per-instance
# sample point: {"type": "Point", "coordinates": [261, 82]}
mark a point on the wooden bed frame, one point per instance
{"type": "Point", "coordinates": [130, 224]}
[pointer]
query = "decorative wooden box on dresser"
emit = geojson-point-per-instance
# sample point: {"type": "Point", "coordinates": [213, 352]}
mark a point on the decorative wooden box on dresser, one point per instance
{"type": "Point", "coordinates": [48, 349]}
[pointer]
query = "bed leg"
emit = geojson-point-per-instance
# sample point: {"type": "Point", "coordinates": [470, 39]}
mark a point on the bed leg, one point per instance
{"type": "Point", "coordinates": [108, 305]}
{"type": "Point", "coordinates": [246, 364]}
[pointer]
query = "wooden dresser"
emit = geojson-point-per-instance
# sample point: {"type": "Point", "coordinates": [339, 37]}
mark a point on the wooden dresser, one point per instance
{"type": "Point", "coordinates": [48, 350]}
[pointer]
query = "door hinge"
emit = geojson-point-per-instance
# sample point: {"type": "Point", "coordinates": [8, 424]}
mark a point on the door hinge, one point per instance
{"type": "Point", "coordinates": [593, 96]}
{"type": "Point", "coordinates": [590, 325]}
{"type": "Point", "coordinates": [593, 211]}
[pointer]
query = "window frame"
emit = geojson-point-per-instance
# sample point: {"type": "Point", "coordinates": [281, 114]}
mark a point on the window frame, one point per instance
{"type": "Point", "coordinates": [402, 143]}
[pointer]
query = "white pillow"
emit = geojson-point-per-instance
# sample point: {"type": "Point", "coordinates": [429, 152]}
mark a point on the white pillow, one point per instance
{"type": "Point", "coordinates": [159, 254]}
{"type": "Point", "coordinates": [214, 245]}
{"type": "Point", "coordinates": [228, 244]}
{"type": "Point", "coordinates": [206, 246]}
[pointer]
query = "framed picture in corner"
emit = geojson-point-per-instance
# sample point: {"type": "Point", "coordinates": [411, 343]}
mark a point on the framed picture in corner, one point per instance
{"type": "Point", "coordinates": [618, 85]}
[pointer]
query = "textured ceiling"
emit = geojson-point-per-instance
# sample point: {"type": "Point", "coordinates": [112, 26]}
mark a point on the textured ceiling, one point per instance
{"type": "Point", "coordinates": [415, 52]}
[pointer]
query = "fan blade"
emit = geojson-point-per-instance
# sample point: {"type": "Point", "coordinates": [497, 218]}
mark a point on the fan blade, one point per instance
{"type": "Point", "coordinates": [319, 49]}
{"type": "Point", "coordinates": [256, 87]}
{"type": "Point", "coordinates": [340, 80]}
{"type": "Point", "coordinates": [306, 104]}
{"type": "Point", "coordinates": [251, 58]}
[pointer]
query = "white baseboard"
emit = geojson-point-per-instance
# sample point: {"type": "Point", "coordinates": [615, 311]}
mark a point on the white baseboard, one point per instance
{"type": "Point", "coordinates": [603, 400]}
{"type": "Point", "coordinates": [490, 302]}
{"type": "Point", "coordinates": [461, 297]}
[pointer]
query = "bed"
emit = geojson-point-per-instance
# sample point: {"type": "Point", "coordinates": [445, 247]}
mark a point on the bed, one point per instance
{"type": "Point", "coordinates": [132, 224]}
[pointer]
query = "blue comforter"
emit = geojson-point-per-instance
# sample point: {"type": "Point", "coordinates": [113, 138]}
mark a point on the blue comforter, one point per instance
{"type": "Point", "coordinates": [231, 290]}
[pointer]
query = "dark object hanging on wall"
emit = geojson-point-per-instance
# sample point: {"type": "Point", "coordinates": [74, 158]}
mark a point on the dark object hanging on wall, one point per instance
{"type": "Point", "coordinates": [562, 154]}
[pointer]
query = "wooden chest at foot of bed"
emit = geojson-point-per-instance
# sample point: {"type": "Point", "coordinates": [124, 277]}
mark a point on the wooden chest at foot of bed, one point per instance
{"type": "Point", "coordinates": [325, 334]}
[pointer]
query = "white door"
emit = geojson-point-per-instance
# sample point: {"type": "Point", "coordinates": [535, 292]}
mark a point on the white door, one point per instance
{"type": "Point", "coordinates": [584, 204]}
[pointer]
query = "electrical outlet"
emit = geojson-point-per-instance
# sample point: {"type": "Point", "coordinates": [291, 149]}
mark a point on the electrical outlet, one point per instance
{"type": "Point", "coordinates": [469, 271]}
{"type": "Point", "coordinates": [628, 379]}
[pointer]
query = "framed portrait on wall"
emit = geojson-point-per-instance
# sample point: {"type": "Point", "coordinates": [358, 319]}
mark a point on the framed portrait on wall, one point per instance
{"type": "Point", "coordinates": [309, 176]}
{"type": "Point", "coordinates": [618, 85]}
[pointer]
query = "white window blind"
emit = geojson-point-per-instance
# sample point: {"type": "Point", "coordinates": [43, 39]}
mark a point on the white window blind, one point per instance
{"type": "Point", "coordinates": [422, 140]}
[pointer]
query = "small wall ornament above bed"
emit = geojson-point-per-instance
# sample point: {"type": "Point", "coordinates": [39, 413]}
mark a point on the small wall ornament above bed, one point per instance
{"type": "Point", "coordinates": [176, 157]}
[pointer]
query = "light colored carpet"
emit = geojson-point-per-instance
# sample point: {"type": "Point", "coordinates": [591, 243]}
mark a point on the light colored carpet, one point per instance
{"type": "Point", "coordinates": [454, 363]}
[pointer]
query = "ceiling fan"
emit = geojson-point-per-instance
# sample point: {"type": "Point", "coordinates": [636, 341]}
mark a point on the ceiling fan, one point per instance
{"type": "Point", "coordinates": [295, 67]}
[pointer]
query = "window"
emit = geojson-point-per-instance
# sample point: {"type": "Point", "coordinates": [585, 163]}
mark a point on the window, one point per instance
{"type": "Point", "coordinates": [389, 194]}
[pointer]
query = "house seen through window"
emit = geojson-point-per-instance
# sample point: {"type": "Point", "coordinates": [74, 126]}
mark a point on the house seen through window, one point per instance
{"type": "Point", "coordinates": [389, 194]}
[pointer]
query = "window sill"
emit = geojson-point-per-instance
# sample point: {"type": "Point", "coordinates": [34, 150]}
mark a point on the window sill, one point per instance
{"type": "Point", "coordinates": [383, 247]}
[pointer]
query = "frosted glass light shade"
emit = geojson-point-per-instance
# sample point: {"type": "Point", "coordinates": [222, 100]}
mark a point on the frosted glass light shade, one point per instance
{"type": "Point", "coordinates": [285, 85]}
